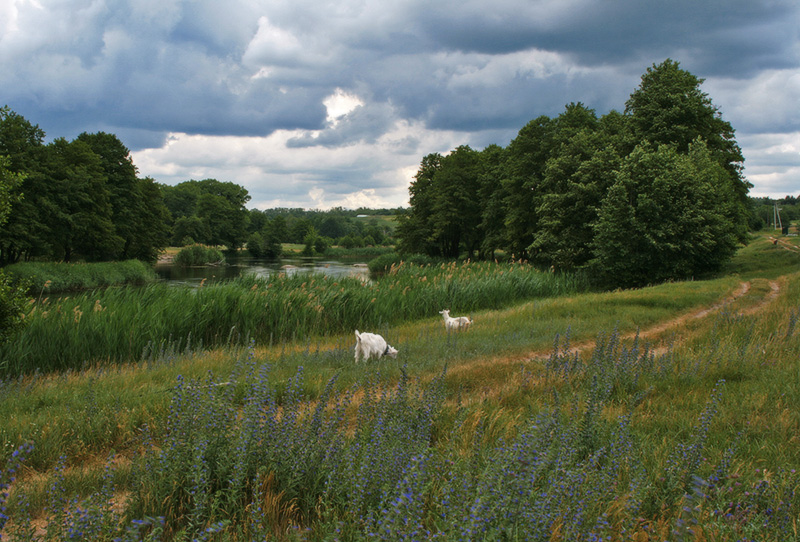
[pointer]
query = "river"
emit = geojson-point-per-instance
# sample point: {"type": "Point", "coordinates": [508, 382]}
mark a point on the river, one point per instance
{"type": "Point", "coordinates": [242, 265]}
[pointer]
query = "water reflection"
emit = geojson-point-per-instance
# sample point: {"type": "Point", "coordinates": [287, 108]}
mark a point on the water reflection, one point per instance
{"type": "Point", "coordinates": [242, 265]}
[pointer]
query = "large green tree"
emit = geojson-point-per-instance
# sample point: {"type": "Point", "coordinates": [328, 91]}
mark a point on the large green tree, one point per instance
{"type": "Point", "coordinates": [456, 206]}
{"type": "Point", "coordinates": [415, 226]}
{"type": "Point", "coordinates": [22, 143]}
{"type": "Point", "coordinates": [577, 176]}
{"type": "Point", "coordinates": [526, 159]}
{"type": "Point", "coordinates": [667, 216]}
{"type": "Point", "coordinates": [77, 204]}
{"type": "Point", "coordinates": [12, 298]}
{"type": "Point", "coordinates": [139, 215]}
{"type": "Point", "coordinates": [669, 107]}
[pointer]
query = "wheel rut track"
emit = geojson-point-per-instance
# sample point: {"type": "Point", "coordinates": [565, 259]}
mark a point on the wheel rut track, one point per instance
{"type": "Point", "coordinates": [654, 331]}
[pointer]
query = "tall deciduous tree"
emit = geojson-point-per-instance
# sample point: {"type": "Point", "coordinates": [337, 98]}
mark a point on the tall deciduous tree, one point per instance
{"type": "Point", "coordinates": [669, 107]}
{"type": "Point", "coordinates": [78, 206]}
{"type": "Point", "coordinates": [415, 226]}
{"type": "Point", "coordinates": [139, 215]}
{"type": "Point", "coordinates": [22, 144]}
{"type": "Point", "coordinates": [526, 158]}
{"type": "Point", "coordinates": [456, 207]}
{"type": "Point", "coordinates": [576, 179]}
{"type": "Point", "coordinates": [667, 216]}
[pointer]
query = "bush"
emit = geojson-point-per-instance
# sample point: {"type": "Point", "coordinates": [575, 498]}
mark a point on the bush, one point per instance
{"type": "Point", "coordinates": [198, 255]}
{"type": "Point", "coordinates": [254, 245]}
{"type": "Point", "coordinates": [12, 307]}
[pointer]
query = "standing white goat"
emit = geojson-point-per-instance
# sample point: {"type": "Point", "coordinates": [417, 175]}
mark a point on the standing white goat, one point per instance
{"type": "Point", "coordinates": [370, 344]}
{"type": "Point", "coordinates": [455, 324]}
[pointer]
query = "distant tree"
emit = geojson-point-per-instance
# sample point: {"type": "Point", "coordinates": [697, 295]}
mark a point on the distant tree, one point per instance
{"type": "Point", "coordinates": [255, 244]}
{"type": "Point", "coordinates": [299, 230]}
{"type": "Point", "coordinates": [256, 220]}
{"type": "Point", "coordinates": [310, 241]}
{"type": "Point", "coordinates": [279, 229]}
{"type": "Point", "coordinates": [190, 227]}
{"type": "Point", "coordinates": [225, 221]}
{"type": "Point", "coordinates": [219, 206]}
{"type": "Point", "coordinates": [322, 243]}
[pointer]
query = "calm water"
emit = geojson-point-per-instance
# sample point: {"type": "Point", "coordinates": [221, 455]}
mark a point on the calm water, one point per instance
{"type": "Point", "coordinates": [235, 267]}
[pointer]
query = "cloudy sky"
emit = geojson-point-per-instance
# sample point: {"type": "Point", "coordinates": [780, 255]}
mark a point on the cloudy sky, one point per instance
{"type": "Point", "coordinates": [318, 103]}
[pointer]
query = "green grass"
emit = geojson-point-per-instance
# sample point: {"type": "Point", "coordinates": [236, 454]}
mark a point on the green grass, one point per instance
{"type": "Point", "coordinates": [127, 324]}
{"type": "Point", "coordinates": [501, 376]}
{"type": "Point", "coordinates": [47, 278]}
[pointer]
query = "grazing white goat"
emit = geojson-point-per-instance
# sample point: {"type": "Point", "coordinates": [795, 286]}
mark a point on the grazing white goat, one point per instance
{"type": "Point", "coordinates": [370, 344]}
{"type": "Point", "coordinates": [455, 324]}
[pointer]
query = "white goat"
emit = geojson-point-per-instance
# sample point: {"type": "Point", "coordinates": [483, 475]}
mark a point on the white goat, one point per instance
{"type": "Point", "coordinates": [370, 344]}
{"type": "Point", "coordinates": [455, 324]}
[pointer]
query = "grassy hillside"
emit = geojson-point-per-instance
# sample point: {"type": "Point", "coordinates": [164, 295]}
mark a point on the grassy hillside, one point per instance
{"type": "Point", "coordinates": [664, 413]}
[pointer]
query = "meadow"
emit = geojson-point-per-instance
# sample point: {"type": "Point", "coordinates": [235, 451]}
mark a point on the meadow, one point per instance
{"type": "Point", "coordinates": [663, 413]}
{"type": "Point", "coordinates": [132, 323]}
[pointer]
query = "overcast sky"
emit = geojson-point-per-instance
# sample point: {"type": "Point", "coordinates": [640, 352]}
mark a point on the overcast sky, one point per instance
{"type": "Point", "coordinates": [316, 103]}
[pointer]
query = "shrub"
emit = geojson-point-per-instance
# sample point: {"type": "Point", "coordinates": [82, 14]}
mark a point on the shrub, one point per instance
{"type": "Point", "coordinates": [198, 255]}
{"type": "Point", "coordinates": [12, 307]}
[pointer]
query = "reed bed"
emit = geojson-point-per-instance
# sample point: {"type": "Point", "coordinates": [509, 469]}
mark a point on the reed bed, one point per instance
{"type": "Point", "coordinates": [124, 324]}
{"type": "Point", "coordinates": [47, 278]}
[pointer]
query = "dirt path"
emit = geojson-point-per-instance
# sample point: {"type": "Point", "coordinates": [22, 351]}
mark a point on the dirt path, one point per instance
{"type": "Point", "coordinates": [649, 333]}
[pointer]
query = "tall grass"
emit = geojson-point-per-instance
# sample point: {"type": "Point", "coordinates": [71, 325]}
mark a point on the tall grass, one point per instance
{"type": "Point", "coordinates": [620, 442]}
{"type": "Point", "coordinates": [124, 324]}
{"type": "Point", "coordinates": [258, 459]}
{"type": "Point", "coordinates": [46, 278]}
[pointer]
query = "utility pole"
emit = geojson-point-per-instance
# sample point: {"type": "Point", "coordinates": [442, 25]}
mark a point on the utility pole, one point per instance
{"type": "Point", "coordinates": [776, 218]}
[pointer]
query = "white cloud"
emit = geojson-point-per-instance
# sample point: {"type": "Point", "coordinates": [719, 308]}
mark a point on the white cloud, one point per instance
{"type": "Point", "coordinates": [321, 103]}
{"type": "Point", "coordinates": [772, 163]}
{"type": "Point", "coordinates": [340, 103]}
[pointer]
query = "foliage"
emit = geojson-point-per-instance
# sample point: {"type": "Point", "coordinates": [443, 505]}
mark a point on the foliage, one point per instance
{"type": "Point", "coordinates": [13, 303]}
{"type": "Point", "coordinates": [47, 278]}
{"type": "Point", "coordinates": [664, 218]}
{"type": "Point", "coordinates": [198, 255]}
{"type": "Point", "coordinates": [542, 197]}
{"type": "Point", "coordinates": [9, 182]}
{"type": "Point", "coordinates": [82, 199]}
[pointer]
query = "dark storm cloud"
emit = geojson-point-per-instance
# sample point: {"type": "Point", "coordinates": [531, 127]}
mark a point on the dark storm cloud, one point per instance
{"type": "Point", "coordinates": [717, 35]}
{"type": "Point", "coordinates": [144, 69]}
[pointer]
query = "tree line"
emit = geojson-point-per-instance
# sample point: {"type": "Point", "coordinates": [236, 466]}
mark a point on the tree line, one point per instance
{"type": "Point", "coordinates": [76, 200]}
{"type": "Point", "coordinates": [83, 200]}
{"type": "Point", "coordinates": [655, 192]}
{"type": "Point", "coordinates": [649, 194]}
